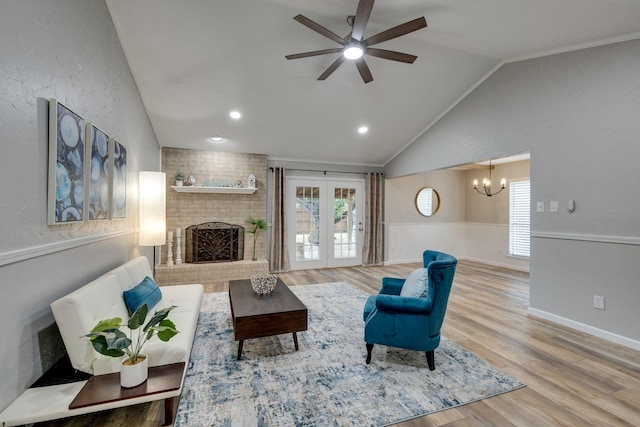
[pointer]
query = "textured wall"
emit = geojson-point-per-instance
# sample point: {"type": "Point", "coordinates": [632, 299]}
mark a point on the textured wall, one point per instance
{"type": "Point", "coordinates": [69, 50]}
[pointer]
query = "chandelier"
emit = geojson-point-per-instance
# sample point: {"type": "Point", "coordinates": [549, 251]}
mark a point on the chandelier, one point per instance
{"type": "Point", "coordinates": [486, 184]}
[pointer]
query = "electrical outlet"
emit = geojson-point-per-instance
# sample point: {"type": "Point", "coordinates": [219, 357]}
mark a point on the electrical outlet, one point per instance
{"type": "Point", "coordinates": [553, 206]}
{"type": "Point", "coordinates": [540, 207]}
{"type": "Point", "coordinates": [598, 302]}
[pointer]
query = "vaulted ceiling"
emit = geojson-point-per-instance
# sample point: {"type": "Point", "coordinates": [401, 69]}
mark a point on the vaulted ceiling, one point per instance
{"type": "Point", "coordinates": [196, 60]}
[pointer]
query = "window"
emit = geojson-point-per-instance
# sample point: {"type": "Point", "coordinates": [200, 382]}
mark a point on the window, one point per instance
{"type": "Point", "coordinates": [519, 217]}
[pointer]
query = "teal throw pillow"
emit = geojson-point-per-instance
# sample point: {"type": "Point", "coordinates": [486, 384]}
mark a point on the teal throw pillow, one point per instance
{"type": "Point", "coordinates": [416, 284]}
{"type": "Point", "coordinates": [146, 292]}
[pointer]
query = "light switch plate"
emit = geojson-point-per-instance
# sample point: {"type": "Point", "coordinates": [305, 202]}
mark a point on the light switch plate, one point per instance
{"type": "Point", "coordinates": [553, 206]}
{"type": "Point", "coordinates": [540, 207]}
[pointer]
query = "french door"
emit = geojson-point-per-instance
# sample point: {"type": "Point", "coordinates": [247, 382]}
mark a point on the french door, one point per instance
{"type": "Point", "coordinates": [325, 222]}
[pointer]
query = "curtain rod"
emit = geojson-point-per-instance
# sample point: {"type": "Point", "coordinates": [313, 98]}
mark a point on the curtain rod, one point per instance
{"type": "Point", "coordinates": [324, 171]}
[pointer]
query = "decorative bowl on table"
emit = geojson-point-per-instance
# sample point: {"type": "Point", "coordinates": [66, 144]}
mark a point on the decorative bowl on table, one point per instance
{"type": "Point", "coordinates": [263, 284]}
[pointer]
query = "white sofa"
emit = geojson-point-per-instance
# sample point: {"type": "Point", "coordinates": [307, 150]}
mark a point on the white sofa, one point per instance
{"type": "Point", "coordinates": [77, 313]}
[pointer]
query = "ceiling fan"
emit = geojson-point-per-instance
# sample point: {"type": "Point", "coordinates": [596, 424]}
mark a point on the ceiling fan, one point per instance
{"type": "Point", "coordinates": [353, 47]}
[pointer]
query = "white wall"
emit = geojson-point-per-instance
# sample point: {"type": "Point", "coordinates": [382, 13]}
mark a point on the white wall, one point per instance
{"type": "Point", "coordinates": [64, 49]}
{"type": "Point", "coordinates": [577, 114]}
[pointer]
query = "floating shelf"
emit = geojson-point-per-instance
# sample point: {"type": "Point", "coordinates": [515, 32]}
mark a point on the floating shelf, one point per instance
{"type": "Point", "coordinates": [223, 190]}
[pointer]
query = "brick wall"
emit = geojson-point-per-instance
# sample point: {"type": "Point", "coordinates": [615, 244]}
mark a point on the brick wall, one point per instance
{"type": "Point", "coordinates": [185, 209]}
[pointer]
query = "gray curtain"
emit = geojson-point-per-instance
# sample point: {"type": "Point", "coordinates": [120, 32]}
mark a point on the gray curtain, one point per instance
{"type": "Point", "coordinates": [278, 252]}
{"type": "Point", "coordinates": [373, 237]}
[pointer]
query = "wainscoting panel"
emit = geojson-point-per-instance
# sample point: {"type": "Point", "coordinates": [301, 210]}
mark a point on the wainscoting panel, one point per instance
{"type": "Point", "coordinates": [406, 242]}
{"type": "Point", "coordinates": [489, 243]}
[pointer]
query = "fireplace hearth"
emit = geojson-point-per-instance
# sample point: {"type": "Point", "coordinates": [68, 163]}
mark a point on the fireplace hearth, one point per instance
{"type": "Point", "coordinates": [214, 242]}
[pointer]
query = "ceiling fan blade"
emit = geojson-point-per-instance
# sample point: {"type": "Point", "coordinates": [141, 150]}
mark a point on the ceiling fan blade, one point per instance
{"type": "Point", "coordinates": [319, 29]}
{"type": "Point", "coordinates": [362, 17]}
{"type": "Point", "coordinates": [364, 70]}
{"type": "Point", "coordinates": [390, 54]}
{"type": "Point", "coordinates": [398, 31]}
{"type": "Point", "coordinates": [331, 68]}
{"type": "Point", "coordinates": [314, 53]}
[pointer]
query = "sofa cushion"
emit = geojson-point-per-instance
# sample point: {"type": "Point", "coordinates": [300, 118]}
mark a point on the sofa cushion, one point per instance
{"type": "Point", "coordinates": [146, 292]}
{"type": "Point", "coordinates": [416, 284]}
{"type": "Point", "coordinates": [78, 312]}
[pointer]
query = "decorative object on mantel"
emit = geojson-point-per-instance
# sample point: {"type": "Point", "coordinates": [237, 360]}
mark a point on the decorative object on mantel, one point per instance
{"type": "Point", "coordinates": [256, 224]}
{"type": "Point", "coordinates": [179, 177]}
{"type": "Point", "coordinates": [178, 247]}
{"type": "Point", "coordinates": [107, 339]}
{"type": "Point", "coordinates": [191, 180]}
{"type": "Point", "coordinates": [263, 284]}
{"type": "Point", "coordinates": [486, 184]}
{"type": "Point", "coordinates": [170, 249]}
{"type": "Point", "coordinates": [237, 184]}
{"type": "Point", "coordinates": [251, 181]}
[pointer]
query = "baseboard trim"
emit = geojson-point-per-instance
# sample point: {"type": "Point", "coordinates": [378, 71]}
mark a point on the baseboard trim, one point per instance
{"type": "Point", "coordinates": [402, 261]}
{"type": "Point", "coordinates": [50, 248]}
{"type": "Point", "coordinates": [600, 333]}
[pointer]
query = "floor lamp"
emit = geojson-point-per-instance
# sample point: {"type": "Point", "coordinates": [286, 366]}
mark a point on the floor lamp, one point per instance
{"type": "Point", "coordinates": [153, 224]}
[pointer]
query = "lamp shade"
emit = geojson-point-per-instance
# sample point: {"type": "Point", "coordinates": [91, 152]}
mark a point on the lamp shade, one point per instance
{"type": "Point", "coordinates": [152, 198]}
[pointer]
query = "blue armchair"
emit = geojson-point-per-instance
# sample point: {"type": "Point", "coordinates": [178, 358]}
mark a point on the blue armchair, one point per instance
{"type": "Point", "coordinates": [411, 322]}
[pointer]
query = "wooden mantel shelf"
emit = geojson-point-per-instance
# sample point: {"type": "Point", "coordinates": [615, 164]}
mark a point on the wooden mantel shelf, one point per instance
{"type": "Point", "coordinates": [201, 189]}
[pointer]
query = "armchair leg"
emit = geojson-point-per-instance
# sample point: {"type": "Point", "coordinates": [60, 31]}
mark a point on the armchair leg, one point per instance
{"type": "Point", "coordinates": [369, 348]}
{"type": "Point", "coordinates": [431, 360]}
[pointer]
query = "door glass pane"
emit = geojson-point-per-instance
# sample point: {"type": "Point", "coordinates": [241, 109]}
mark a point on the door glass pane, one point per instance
{"type": "Point", "coordinates": [307, 223]}
{"type": "Point", "coordinates": [344, 220]}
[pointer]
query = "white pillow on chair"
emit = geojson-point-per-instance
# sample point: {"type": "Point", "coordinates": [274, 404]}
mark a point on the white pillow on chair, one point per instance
{"type": "Point", "coordinates": [416, 284]}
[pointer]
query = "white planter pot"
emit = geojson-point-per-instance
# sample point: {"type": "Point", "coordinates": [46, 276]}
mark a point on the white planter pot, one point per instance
{"type": "Point", "coordinates": [134, 375]}
{"type": "Point", "coordinates": [179, 183]}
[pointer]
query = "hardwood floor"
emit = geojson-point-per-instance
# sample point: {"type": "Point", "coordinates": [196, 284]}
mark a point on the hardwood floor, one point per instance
{"type": "Point", "coordinates": [573, 379]}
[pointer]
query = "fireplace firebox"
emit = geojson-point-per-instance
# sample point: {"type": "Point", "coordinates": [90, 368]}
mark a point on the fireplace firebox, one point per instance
{"type": "Point", "coordinates": [214, 242]}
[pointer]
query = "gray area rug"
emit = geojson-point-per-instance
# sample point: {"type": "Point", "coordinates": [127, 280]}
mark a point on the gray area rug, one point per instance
{"type": "Point", "coordinates": [326, 382]}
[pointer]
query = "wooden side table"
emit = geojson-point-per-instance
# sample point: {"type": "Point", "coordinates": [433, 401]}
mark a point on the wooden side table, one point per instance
{"type": "Point", "coordinates": [101, 389]}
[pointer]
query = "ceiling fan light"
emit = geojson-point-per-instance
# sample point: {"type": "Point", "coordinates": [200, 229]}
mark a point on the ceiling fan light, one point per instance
{"type": "Point", "coordinates": [353, 52]}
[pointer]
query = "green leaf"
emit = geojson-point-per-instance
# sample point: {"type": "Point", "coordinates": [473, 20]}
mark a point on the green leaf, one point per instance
{"type": "Point", "coordinates": [110, 342]}
{"type": "Point", "coordinates": [158, 317]}
{"type": "Point", "coordinates": [103, 325]}
{"type": "Point", "coordinates": [100, 345]}
{"type": "Point", "coordinates": [137, 318]}
{"type": "Point", "coordinates": [166, 330]}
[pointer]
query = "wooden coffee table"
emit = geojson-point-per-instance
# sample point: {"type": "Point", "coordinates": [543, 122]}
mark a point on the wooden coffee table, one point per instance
{"type": "Point", "coordinates": [254, 316]}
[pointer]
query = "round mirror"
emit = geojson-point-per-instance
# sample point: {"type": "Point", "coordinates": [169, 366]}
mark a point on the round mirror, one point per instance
{"type": "Point", "coordinates": [427, 201]}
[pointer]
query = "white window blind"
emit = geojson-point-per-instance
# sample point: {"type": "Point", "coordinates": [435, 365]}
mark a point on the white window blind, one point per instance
{"type": "Point", "coordinates": [519, 217]}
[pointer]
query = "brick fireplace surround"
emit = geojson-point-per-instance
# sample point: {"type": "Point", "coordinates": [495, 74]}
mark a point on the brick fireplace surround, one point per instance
{"type": "Point", "coordinates": [186, 209]}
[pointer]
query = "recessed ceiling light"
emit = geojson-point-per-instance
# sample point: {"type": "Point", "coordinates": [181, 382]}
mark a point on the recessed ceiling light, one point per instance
{"type": "Point", "coordinates": [217, 138]}
{"type": "Point", "coordinates": [363, 129]}
{"type": "Point", "coordinates": [235, 115]}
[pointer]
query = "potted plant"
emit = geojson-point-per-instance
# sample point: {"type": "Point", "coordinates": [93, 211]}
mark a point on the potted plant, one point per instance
{"type": "Point", "coordinates": [179, 176]}
{"type": "Point", "coordinates": [107, 339]}
{"type": "Point", "coordinates": [256, 224]}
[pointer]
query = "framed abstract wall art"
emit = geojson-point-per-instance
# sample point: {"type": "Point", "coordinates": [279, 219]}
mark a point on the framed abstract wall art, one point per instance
{"type": "Point", "coordinates": [97, 185]}
{"type": "Point", "coordinates": [118, 170]}
{"type": "Point", "coordinates": [66, 165]}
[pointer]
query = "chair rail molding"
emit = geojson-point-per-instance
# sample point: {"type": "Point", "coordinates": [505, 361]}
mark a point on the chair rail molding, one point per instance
{"type": "Point", "coordinates": [598, 238]}
{"type": "Point", "coordinates": [23, 254]}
